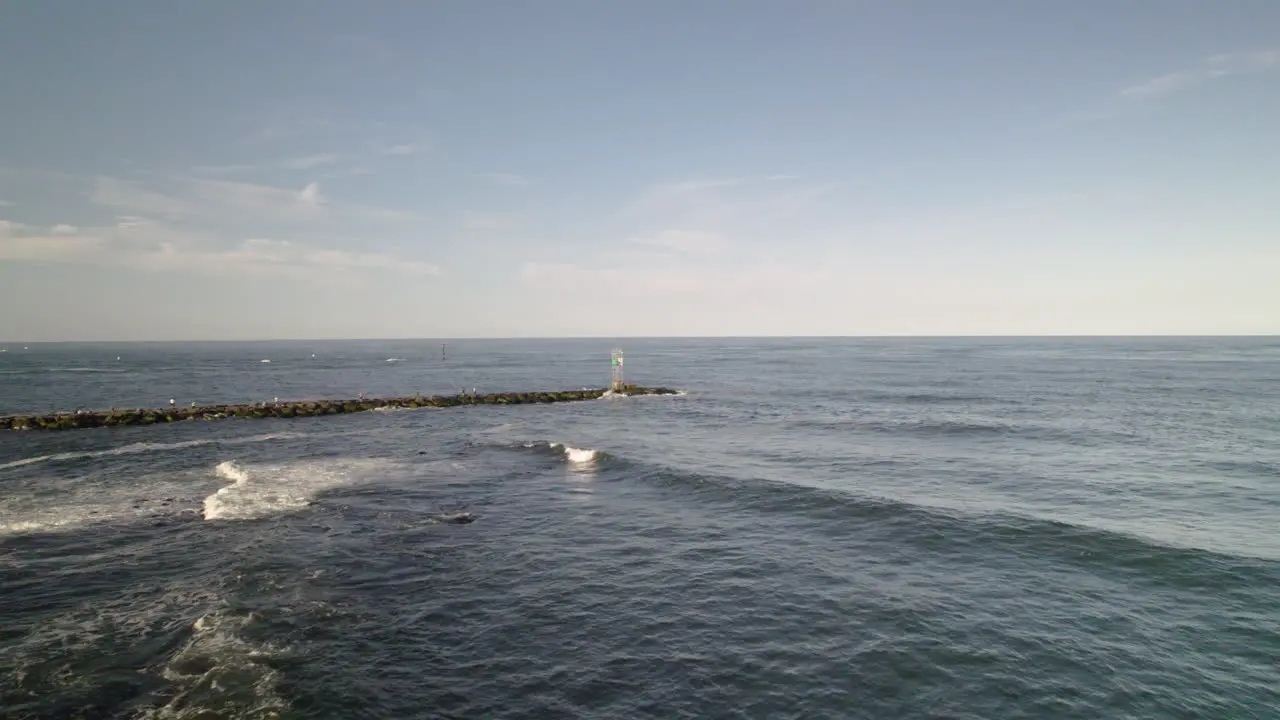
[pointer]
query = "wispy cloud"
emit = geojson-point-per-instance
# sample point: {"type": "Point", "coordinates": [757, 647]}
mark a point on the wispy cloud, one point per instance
{"type": "Point", "coordinates": [227, 201]}
{"type": "Point", "coordinates": [292, 121]}
{"type": "Point", "coordinates": [682, 193]}
{"type": "Point", "coordinates": [255, 202]}
{"type": "Point", "coordinates": [118, 194]}
{"type": "Point", "coordinates": [310, 161]}
{"type": "Point", "coordinates": [263, 257]}
{"type": "Point", "coordinates": [1211, 68]}
{"type": "Point", "coordinates": [404, 149]}
{"type": "Point", "coordinates": [224, 169]}
{"type": "Point", "coordinates": [690, 242]}
{"type": "Point", "coordinates": [198, 225]}
{"type": "Point", "coordinates": [306, 162]}
{"type": "Point", "coordinates": [5, 204]}
{"type": "Point", "coordinates": [48, 248]}
{"type": "Point", "coordinates": [690, 186]}
{"type": "Point", "coordinates": [21, 242]}
{"type": "Point", "coordinates": [346, 166]}
{"type": "Point", "coordinates": [675, 283]}
{"type": "Point", "coordinates": [485, 221]}
{"type": "Point", "coordinates": [683, 203]}
{"type": "Point", "coordinates": [387, 216]}
{"type": "Point", "coordinates": [142, 245]}
{"type": "Point", "coordinates": [310, 196]}
{"type": "Point", "coordinates": [699, 216]}
{"type": "Point", "coordinates": [1143, 94]}
{"type": "Point", "coordinates": [268, 203]}
{"type": "Point", "coordinates": [500, 178]}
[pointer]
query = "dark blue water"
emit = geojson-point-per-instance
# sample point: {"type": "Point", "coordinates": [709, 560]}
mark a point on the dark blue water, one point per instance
{"type": "Point", "coordinates": [897, 528]}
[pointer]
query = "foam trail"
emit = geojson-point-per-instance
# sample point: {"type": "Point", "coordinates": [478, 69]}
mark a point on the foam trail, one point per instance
{"type": "Point", "coordinates": [239, 501]}
{"type": "Point", "coordinates": [30, 461]}
{"type": "Point", "coordinates": [230, 471]}
{"type": "Point", "coordinates": [266, 490]}
{"type": "Point", "coordinates": [218, 670]}
{"type": "Point", "coordinates": [145, 447]}
{"type": "Point", "coordinates": [49, 503]}
{"type": "Point", "coordinates": [218, 505]}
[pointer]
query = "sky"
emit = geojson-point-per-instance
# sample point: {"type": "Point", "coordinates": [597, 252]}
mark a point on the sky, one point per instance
{"type": "Point", "coordinates": [574, 168]}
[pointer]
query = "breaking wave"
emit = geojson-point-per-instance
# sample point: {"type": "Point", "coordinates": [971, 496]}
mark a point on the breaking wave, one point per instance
{"type": "Point", "coordinates": [585, 460]}
{"type": "Point", "coordinates": [267, 490]}
{"type": "Point", "coordinates": [576, 455]}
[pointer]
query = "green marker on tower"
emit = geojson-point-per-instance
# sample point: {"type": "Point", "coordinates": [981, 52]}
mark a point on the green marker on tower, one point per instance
{"type": "Point", "coordinates": [617, 384]}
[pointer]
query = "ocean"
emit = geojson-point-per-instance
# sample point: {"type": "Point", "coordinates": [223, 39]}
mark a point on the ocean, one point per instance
{"type": "Point", "coordinates": [814, 528]}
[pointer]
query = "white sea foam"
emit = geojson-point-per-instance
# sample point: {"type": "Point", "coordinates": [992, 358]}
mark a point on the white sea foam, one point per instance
{"type": "Point", "coordinates": [394, 360]}
{"type": "Point", "coordinates": [48, 501]}
{"type": "Point", "coordinates": [43, 504]}
{"type": "Point", "coordinates": [144, 447]}
{"type": "Point", "coordinates": [576, 455]}
{"type": "Point", "coordinates": [34, 460]}
{"type": "Point", "coordinates": [23, 526]}
{"type": "Point", "coordinates": [218, 672]}
{"type": "Point", "coordinates": [77, 633]}
{"type": "Point", "coordinates": [240, 501]}
{"type": "Point", "coordinates": [260, 491]}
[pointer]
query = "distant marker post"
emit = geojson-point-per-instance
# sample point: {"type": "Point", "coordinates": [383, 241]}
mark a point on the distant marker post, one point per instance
{"type": "Point", "coordinates": [616, 384]}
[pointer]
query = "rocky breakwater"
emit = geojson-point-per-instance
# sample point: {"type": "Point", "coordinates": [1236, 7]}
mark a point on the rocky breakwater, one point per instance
{"type": "Point", "coordinates": [298, 408]}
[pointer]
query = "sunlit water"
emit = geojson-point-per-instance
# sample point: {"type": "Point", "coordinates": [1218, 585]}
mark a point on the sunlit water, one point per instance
{"type": "Point", "coordinates": [844, 529]}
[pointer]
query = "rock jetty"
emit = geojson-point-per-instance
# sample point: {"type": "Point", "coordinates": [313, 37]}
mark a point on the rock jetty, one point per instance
{"type": "Point", "coordinates": [297, 408]}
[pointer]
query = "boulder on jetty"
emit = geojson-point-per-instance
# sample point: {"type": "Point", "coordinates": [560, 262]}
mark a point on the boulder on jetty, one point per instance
{"type": "Point", "coordinates": [300, 408]}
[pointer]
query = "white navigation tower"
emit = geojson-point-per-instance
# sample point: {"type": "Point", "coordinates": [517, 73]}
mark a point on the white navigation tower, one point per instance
{"type": "Point", "coordinates": [617, 384]}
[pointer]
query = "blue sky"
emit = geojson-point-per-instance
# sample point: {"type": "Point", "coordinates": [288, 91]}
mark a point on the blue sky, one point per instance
{"type": "Point", "coordinates": [290, 169]}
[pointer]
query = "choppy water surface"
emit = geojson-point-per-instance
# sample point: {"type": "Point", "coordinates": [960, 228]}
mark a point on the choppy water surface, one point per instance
{"type": "Point", "coordinates": [834, 528]}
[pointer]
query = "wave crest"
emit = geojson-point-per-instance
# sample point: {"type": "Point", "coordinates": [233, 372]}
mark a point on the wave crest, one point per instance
{"type": "Point", "coordinates": [268, 490]}
{"type": "Point", "coordinates": [575, 455]}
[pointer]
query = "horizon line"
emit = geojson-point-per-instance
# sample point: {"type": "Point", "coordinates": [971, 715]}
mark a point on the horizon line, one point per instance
{"type": "Point", "coordinates": [446, 339]}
